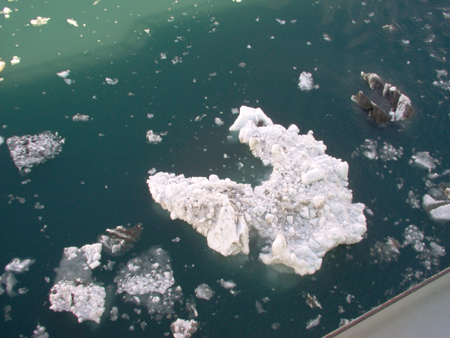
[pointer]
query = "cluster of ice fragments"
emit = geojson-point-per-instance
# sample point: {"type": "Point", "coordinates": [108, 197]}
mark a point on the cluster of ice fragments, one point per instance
{"type": "Point", "coordinates": [148, 280]}
{"type": "Point", "coordinates": [8, 278]}
{"type": "Point", "coordinates": [30, 150]}
{"type": "Point", "coordinates": [401, 108]}
{"type": "Point", "coordinates": [74, 289]}
{"type": "Point", "coordinates": [304, 210]}
{"type": "Point", "coordinates": [370, 149]}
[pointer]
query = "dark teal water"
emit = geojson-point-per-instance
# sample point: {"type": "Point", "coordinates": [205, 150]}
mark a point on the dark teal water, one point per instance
{"type": "Point", "coordinates": [99, 182]}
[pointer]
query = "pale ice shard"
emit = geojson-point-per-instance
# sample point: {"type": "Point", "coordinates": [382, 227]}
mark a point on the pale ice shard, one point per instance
{"type": "Point", "coordinates": [304, 210]}
{"type": "Point", "coordinates": [30, 150]}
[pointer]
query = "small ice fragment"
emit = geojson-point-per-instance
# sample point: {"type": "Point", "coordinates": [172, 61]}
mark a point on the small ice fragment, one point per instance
{"type": "Point", "coordinates": [18, 266]}
{"type": "Point", "coordinates": [276, 326]}
{"type": "Point", "coordinates": [153, 138]}
{"type": "Point", "coordinates": [68, 81]}
{"type": "Point", "coordinates": [281, 22]}
{"type": "Point", "coordinates": [184, 328]}
{"type": "Point", "coordinates": [64, 73]}
{"type": "Point", "coordinates": [326, 37]}
{"type": "Point", "coordinates": [259, 307]}
{"type": "Point", "coordinates": [312, 301]}
{"type": "Point", "coordinates": [306, 81]}
{"type": "Point", "coordinates": [72, 22]}
{"type": "Point", "coordinates": [234, 111]}
{"type": "Point", "coordinates": [15, 60]}
{"type": "Point", "coordinates": [39, 21]}
{"type": "Point", "coordinates": [218, 121]}
{"type": "Point", "coordinates": [242, 64]}
{"type": "Point", "coordinates": [111, 81]}
{"type": "Point", "coordinates": [152, 171]}
{"type": "Point", "coordinates": [227, 284]}
{"type": "Point", "coordinates": [405, 42]}
{"type": "Point", "coordinates": [249, 47]}
{"type": "Point", "coordinates": [40, 332]}
{"type": "Point", "coordinates": [313, 322]}
{"type": "Point", "coordinates": [80, 118]}
{"type": "Point", "coordinates": [349, 298]}
{"type": "Point", "coordinates": [203, 291]}
{"type": "Point", "coordinates": [176, 239]}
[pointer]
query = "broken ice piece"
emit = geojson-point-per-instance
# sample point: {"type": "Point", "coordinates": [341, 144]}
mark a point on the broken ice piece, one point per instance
{"type": "Point", "coordinates": [64, 73]}
{"type": "Point", "coordinates": [39, 21]}
{"type": "Point", "coordinates": [111, 81]}
{"type": "Point", "coordinates": [307, 82]}
{"type": "Point", "coordinates": [312, 301]}
{"type": "Point", "coordinates": [72, 22]}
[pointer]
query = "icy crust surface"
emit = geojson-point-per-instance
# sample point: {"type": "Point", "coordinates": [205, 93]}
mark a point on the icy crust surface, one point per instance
{"type": "Point", "coordinates": [304, 210]}
{"type": "Point", "coordinates": [30, 150]}
{"type": "Point", "coordinates": [148, 280]}
{"type": "Point", "coordinates": [74, 290]}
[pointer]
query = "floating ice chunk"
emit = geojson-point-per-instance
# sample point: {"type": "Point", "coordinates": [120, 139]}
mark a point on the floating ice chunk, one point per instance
{"type": "Point", "coordinates": [18, 266]}
{"type": "Point", "coordinates": [64, 73]}
{"type": "Point", "coordinates": [80, 118]}
{"type": "Point", "coordinates": [72, 22]}
{"type": "Point", "coordinates": [30, 150]}
{"type": "Point", "coordinates": [111, 81]}
{"type": "Point", "coordinates": [259, 307]}
{"type": "Point", "coordinates": [87, 302]}
{"type": "Point", "coordinates": [153, 138]}
{"type": "Point", "coordinates": [120, 240]}
{"type": "Point", "coordinates": [183, 328]}
{"type": "Point", "coordinates": [227, 284]}
{"type": "Point", "coordinates": [438, 210]}
{"type": "Point", "coordinates": [313, 322]}
{"type": "Point", "coordinates": [2, 65]}
{"type": "Point", "coordinates": [218, 121]}
{"type": "Point", "coordinates": [39, 21]}
{"type": "Point", "coordinates": [15, 60]}
{"type": "Point", "coordinates": [2, 140]}
{"type": "Point", "coordinates": [74, 290]}
{"type": "Point", "coordinates": [312, 301]}
{"type": "Point", "coordinates": [203, 291]}
{"type": "Point", "coordinates": [281, 22]}
{"type": "Point", "coordinates": [423, 160]}
{"type": "Point", "coordinates": [40, 332]}
{"type": "Point", "coordinates": [306, 81]}
{"type": "Point", "coordinates": [291, 210]}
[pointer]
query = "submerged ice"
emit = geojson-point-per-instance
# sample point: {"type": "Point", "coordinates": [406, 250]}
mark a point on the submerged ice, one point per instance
{"type": "Point", "coordinates": [148, 280]}
{"type": "Point", "coordinates": [304, 210]}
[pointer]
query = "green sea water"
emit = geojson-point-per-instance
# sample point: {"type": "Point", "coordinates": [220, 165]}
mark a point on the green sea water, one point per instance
{"type": "Point", "coordinates": [182, 63]}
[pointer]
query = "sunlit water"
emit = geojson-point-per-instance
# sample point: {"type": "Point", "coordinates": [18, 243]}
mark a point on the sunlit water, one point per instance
{"type": "Point", "coordinates": [98, 180]}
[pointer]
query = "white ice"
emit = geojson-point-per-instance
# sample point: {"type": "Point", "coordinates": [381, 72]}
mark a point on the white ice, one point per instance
{"type": "Point", "coordinates": [306, 81]}
{"type": "Point", "coordinates": [304, 210]}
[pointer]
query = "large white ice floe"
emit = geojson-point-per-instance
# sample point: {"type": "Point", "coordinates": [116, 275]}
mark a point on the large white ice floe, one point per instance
{"type": "Point", "coordinates": [74, 289]}
{"type": "Point", "coordinates": [30, 150]}
{"type": "Point", "coordinates": [304, 210]}
{"type": "Point", "coordinates": [148, 280]}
